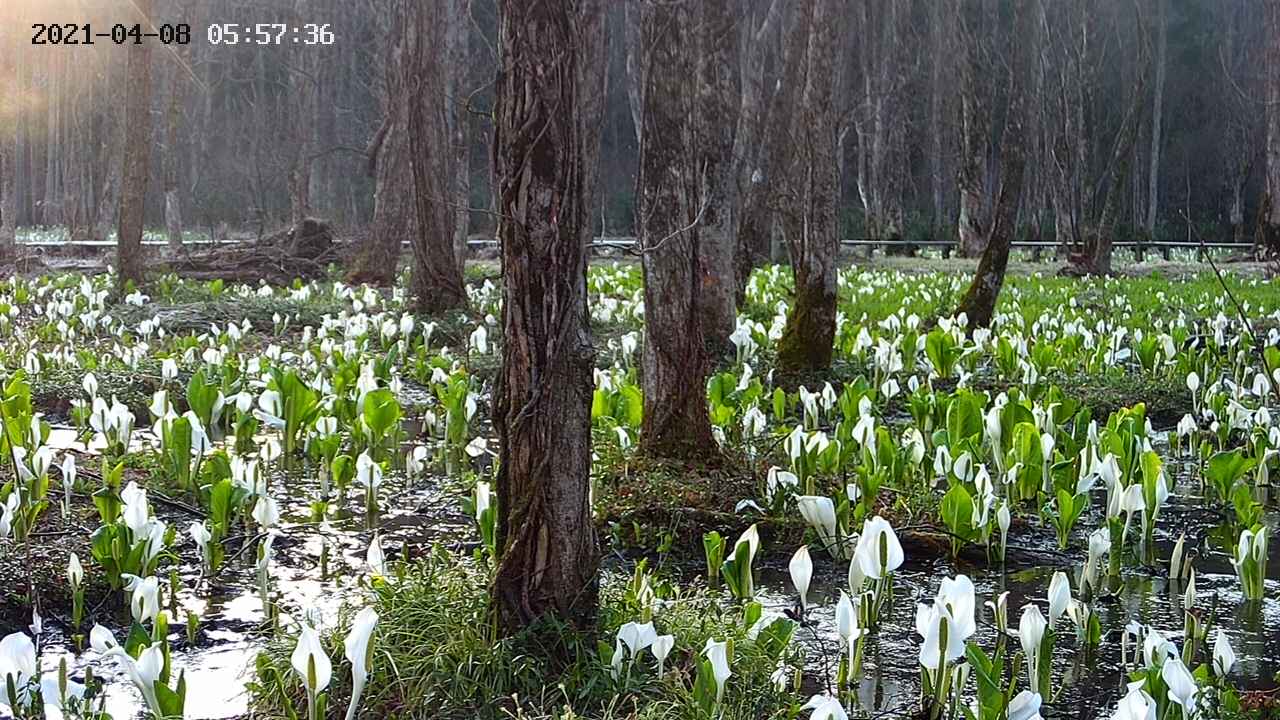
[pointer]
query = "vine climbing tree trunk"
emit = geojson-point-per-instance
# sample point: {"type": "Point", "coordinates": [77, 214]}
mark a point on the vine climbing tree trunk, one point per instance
{"type": "Point", "coordinates": [542, 408]}
{"type": "Point", "coordinates": [137, 155]}
{"type": "Point", "coordinates": [806, 342]}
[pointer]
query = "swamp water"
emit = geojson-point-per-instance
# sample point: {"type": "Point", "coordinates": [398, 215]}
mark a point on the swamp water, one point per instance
{"type": "Point", "coordinates": [234, 629]}
{"type": "Point", "coordinates": [1086, 685]}
{"type": "Point", "coordinates": [233, 626]}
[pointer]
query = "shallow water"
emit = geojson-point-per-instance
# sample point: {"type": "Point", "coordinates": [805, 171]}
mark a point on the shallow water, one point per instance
{"type": "Point", "coordinates": [233, 626]}
{"type": "Point", "coordinates": [1086, 685]}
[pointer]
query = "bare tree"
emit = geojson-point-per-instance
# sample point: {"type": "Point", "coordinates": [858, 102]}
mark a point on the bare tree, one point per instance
{"type": "Point", "coordinates": [304, 94]}
{"type": "Point", "coordinates": [137, 156]}
{"type": "Point", "coordinates": [457, 118]}
{"type": "Point", "coordinates": [979, 302]}
{"type": "Point", "coordinates": [1157, 117]}
{"type": "Point", "coordinates": [1271, 204]}
{"type": "Point", "coordinates": [716, 105]}
{"type": "Point", "coordinates": [542, 409]}
{"type": "Point", "coordinates": [394, 212]}
{"type": "Point", "coordinates": [178, 75]}
{"type": "Point", "coordinates": [437, 275]}
{"type": "Point", "coordinates": [9, 83]}
{"type": "Point", "coordinates": [881, 121]}
{"type": "Point", "coordinates": [675, 193]}
{"type": "Point", "coordinates": [974, 21]}
{"type": "Point", "coordinates": [813, 188]}
{"type": "Point", "coordinates": [939, 60]}
{"type": "Point", "coordinates": [764, 139]}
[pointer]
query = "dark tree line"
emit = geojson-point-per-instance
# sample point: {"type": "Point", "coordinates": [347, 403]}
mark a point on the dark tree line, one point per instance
{"type": "Point", "coordinates": [1142, 115]}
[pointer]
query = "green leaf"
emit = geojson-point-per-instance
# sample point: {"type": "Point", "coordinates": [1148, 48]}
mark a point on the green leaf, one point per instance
{"type": "Point", "coordinates": [957, 511]}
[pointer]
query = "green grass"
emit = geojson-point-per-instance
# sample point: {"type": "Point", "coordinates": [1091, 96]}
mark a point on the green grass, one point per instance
{"type": "Point", "coordinates": [435, 657]}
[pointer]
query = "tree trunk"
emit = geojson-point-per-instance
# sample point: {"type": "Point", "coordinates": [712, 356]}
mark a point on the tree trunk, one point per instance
{"type": "Point", "coordinates": [939, 59]}
{"type": "Point", "coordinates": [1157, 117]}
{"type": "Point", "coordinates": [394, 221]}
{"type": "Point", "coordinates": [633, 53]}
{"type": "Point", "coordinates": [437, 277]}
{"type": "Point", "coordinates": [973, 228]}
{"type": "Point", "coordinates": [394, 218]}
{"type": "Point", "coordinates": [304, 92]}
{"type": "Point", "coordinates": [674, 198]}
{"type": "Point", "coordinates": [137, 156]}
{"type": "Point", "coordinates": [764, 179]}
{"type": "Point", "coordinates": [716, 101]}
{"type": "Point", "coordinates": [459, 121]}
{"type": "Point", "coordinates": [1101, 237]}
{"type": "Point", "coordinates": [1271, 218]}
{"type": "Point", "coordinates": [172, 170]}
{"type": "Point", "coordinates": [806, 342]}
{"type": "Point", "coordinates": [542, 406]}
{"type": "Point", "coordinates": [979, 302]}
{"type": "Point", "coordinates": [8, 181]}
{"type": "Point", "coordinates": [751, 218]}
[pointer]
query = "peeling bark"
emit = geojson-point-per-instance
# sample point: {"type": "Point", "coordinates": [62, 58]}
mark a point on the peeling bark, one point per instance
{"type": "Point", "coordinates": [542, 407]}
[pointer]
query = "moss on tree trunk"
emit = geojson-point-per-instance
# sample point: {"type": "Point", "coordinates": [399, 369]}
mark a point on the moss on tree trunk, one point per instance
{"type": "Point", "coordinates": [807, 340]}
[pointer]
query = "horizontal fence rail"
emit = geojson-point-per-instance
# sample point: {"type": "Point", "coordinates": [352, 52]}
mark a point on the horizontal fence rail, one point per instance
{"type": "Point", "coordinates": [629, 242]}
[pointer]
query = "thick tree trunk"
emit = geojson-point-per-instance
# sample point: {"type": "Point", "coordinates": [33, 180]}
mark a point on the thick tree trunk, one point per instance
{"type": "Point", "coordinates": [979, 303]}
{"type": "Point", "coordinates": [137, 156]}
{"type": "Point", "coordinates": [394, 213]}
{"type": "Point", "coordinates": [750, 224]}
{"type": "Point", "coordinates": [634, 57]}
{"type": "Point", "coordinates": [674, 198]}
{"type": "Point", "coordinates": [762, 179]}
{"type": "Point", "coordinates": [437, 276]}
{"type": "Point", "coordinates": [542, 406]}
{"type": "Point", "coordinates": [806, 342]}
{"type": "Point", "coordinates": [304, 92]}
{"type": "Point", "coordinates": [938, 33]}
{"type": "Point", "coordinates": [716, 102]}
